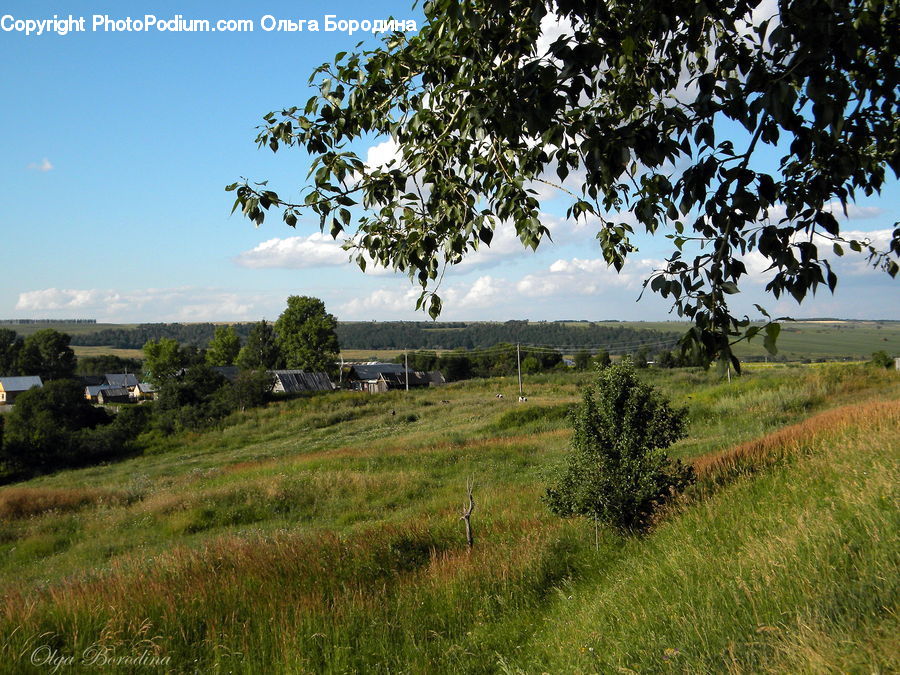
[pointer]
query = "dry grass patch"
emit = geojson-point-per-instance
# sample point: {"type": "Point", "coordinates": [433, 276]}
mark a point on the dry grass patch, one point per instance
{"type": "Point", "coordinates": [721, 467]}
{"type": "Point", "coordinates": [24, 502]}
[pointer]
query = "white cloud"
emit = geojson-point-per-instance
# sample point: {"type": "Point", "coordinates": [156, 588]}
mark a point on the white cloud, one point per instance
{"type": "Point", "coordinates": [44, 165]}
{"type": "Point", "coordinates": [315, 250]}
{"type": "Point", "coordinates": [579, 276]}
{"type": "Point", "coordinates": [552, 28]}
{"type": "Point", "coordinates": [854, 212]}
{"type": "Point", "coordinates": [382, 154]}
{"type": "Point", "coordinates": [160, 304]}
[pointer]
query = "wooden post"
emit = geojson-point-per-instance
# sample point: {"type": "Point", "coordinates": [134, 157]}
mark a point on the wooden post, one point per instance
{"type": "Point", "coordinates": [519, 368]}
{"type": "Point", "coordinates": [467, 513]}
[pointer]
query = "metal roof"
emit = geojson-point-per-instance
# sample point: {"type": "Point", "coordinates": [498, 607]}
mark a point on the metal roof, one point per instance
{"type": "Point", "coordinates": [20, 383]}
{"type": "Point", "coordinates": [300, 380]}
{"type": "Point", "coordinates": [372, 371]}
{"type": "Point", "coordinates": [121, 379]}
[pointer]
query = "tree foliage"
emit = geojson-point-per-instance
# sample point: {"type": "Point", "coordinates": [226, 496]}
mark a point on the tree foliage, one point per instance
{"type": "Point", "coordinates": [46, 429]}
{"type": "Point", "coordinates": [223, 349]}
{"type": "Point", "coordinates": [618, 472]}
{"type": "Point", "coordinates": [47, 353]}
{"type": "Point", "coordinates": [670, 111]}
{"type": "Point", "coordinates": [307, 335]}
{"type": "Point", "coordinates": [261, 350]}
{"type": "Point", "coordinates": [165, 358]}
{"type": "Point", "coordinates": [10, 349]}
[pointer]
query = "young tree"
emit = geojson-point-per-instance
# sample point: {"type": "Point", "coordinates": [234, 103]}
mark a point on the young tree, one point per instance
{"type": "Point", "coordinates": [41, 429]}
{"type": "Point", "coordinates": [307, 335]}
{"type": "Point", "coordinates": [602, 360]}
{"type": "Point", "coordinates": [618, 472]}
{"type": "Point", "coordinates": [10, 348]}
{"type": "Point", "coordinates": [163, 358]}
{"type": "Point", "coordinates": [627, 104]}
{"type": "Point", "coordinates": [582, 360]}
{"type": "Point", "coordinates": [223, 349]}
{"type": "Point", "coordinates": [261, 351]}
{"type": "Point", "coordinates": [47, 353]}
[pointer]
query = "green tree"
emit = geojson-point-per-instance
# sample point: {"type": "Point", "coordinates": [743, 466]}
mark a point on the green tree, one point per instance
{"type": "Point", "coordinates": [618, 472]}
{"type": "Point", "coordinates": [261, 350]}
{"type": "Point", "coordinates": [163, 358]}
{"type": "Point", "coordinates": [881, 359]}
{"type": "Point", "coordinates": [530, 365]}
{"type": "Point", "coordinates": [639, 358]}
{"type": "Point", "coordinates": [223, 349]}
{"type": "Point", "coordinates": [307, 335]}
{"type": "Point", "coordinates": [602, 360]}
{"type": "Point", "coordinates": [47, 353]}
{"type": "Point", "coordinates": [193, 400]}
{"type": "Point", "coordinates": [107, 363]}
{"type": "Point", "coordinates": [40, 432]}
{"type": "Point", "coordinates": [10, 349]}
{"type": "Point", "coordinates": [582, 360]}
{"type": "Point", "coordinates": [630, 107]}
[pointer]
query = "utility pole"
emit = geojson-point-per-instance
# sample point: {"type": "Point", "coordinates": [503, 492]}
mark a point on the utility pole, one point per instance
{"type": "Point", "coordinates": [406, 367]}
{"type": "Point", "coordinates": [519, 368]}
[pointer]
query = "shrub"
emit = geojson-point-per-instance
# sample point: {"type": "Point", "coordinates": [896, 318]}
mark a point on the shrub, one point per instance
{"type": "Point", "coordinates": [617, 472]}
{"type": "Point", "coordinates": [881, 359]}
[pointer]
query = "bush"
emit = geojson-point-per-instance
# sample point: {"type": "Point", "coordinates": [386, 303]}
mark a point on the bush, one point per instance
{"type": "Point", "coordinates": [617, 472]}
{"type": "Point", "coordinates": [881, 359]}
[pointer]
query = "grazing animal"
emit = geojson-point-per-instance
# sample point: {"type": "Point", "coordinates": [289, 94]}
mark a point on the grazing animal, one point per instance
{"type": "Point", "coordinates": [443, 401]}
{"type": "Point", "coordinates": [499, 395]}
{"type": "Point", "coordinates": [523, 398]}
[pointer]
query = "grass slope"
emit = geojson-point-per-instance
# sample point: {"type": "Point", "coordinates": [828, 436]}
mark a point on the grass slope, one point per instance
{"type": "Point", "coordinates": [322, 535]}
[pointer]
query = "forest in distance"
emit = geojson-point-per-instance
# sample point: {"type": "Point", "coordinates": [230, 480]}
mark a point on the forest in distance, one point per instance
{"type": "Point", "coordinates": [407, 334]}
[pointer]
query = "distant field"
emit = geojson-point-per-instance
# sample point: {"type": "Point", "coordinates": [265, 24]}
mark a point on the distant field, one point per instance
{"type": "Point", "coordinates": [103, 351]}
{"type": "Point", "coordinates": [808, 339]}
{"type": "Point", "coordinates": [799, 339]}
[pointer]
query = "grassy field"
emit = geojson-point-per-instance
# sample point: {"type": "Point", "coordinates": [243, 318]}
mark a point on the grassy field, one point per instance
{"type": "Point", "coordinates": [103, 351]}
{"type": "Point", "coordinates": [809, 339]}
{"type": "Point", "coordinates": [322, 535]}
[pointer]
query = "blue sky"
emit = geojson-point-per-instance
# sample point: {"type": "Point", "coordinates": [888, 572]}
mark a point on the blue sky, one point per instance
{"type": "Point", "coordinates": [117, 147]}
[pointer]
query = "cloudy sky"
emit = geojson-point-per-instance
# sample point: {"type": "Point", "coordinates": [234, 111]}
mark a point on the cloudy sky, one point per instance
{"type": "Point", "coordinates": [117, 147]}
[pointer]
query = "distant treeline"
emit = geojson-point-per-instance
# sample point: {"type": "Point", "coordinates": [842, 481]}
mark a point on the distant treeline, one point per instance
{"type": "Point", "coordinates": [15, 321]}
{"type": "Point", "coordinates": [616, 339]}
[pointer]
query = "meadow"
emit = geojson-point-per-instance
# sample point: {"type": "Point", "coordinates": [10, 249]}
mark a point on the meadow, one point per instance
{"type": "Point", "coordinates": [322, 534]}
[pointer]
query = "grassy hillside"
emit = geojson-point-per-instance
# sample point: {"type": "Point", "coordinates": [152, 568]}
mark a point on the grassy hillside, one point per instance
{"type": "Point", "coordinates": [322, 534]}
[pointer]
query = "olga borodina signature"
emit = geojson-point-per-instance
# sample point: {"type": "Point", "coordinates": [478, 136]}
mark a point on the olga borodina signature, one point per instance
{"type": "Point", "coordinates": [95, 656]}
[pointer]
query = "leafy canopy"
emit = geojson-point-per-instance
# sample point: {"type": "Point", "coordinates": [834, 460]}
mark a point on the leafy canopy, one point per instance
{"type": "Point", "coordinates": [307, 335]}
{"type": "Point", "coordinates": [223, 349]}
{"type": "Point", "coordinates": [618, 472]}
{"type": "Point", "coordinates": [662, 109]}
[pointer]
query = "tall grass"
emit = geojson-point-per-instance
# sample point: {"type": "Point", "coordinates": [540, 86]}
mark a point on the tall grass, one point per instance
{"type": "Point", "coordinates": [282, 543]}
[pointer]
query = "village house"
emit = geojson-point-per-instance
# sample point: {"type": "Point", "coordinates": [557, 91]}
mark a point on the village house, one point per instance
{"type": "Point", "coordinates": [113, 384]}
{"type": "Point", "coordinates": [296, 381]}
{"type": "Point", "coordinates": [381, 377]}
{"type": "Point", "coordinates": [10, 387]}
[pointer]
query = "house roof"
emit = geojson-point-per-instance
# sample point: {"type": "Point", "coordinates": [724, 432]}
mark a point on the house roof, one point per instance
{"type": "Point", "coordinates": [20, 383]}
{"type": "Point", "coordinates": [114, 392]}
{"type": "Point", "coordinates": [93, 390]}
{"type": "Point", "coordinates": [92, 380]}
{"type": "Point", "coordinates": [121, 379]}
{"type": "Point", "coordinates": [299, 380]}
{"type": "Point", "coordinates": [372, 371]}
